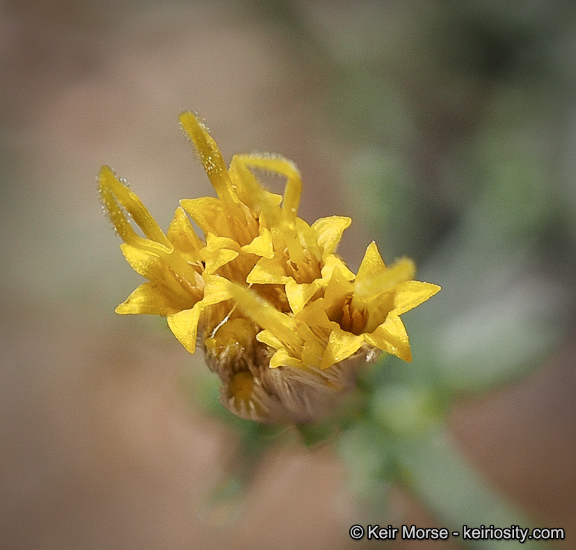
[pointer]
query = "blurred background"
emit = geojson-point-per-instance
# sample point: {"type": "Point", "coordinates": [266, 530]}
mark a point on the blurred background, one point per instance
{"type": "Point", "coordinates": [445, 129]}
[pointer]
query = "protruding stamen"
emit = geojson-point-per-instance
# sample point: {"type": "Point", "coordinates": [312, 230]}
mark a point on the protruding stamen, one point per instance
{"type": "Point", "coordinates": [284, 167]}
{"type": "Point", "coordinates": [118, 199]}
{"type": "Point", "coordinates": [287, 222]}
{"type": "Point", "coordinates": [209, 155]}
{"type": "Point", "coordinates": [265, 314]}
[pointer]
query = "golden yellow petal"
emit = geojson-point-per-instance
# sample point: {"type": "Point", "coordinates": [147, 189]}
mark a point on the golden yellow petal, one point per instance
{"type": "Point", "coordinates": [266, 337]}
{"type": "Point", "coordinates": [182, 234]}
{"type": "Point", "coordinates": [184, 325]}
{"type": "Point", "coordinates": [332, 262]}
{"type": "Point", "coordinates": [308, 239]}
{"type": "Point", "coordinates": [267, 271]}
{"type": "Point", "coordinates": [341, 345]}
{"type": "Point", "coordinates": [373, 293]}
{"type": "Point", "coordinates": [391, 337]}
{"type": "Point", "coordinates": [217, 290]}
{"type": "Point", "coordinates": [372, 286]}
{"type": "Point", "coordinates": [329, 232]}
{"type": "Point", "coordinates": [410, 294]}
{"type": "Point", "coordinates": [314, 315]}
{"type": "Point", "coordinates": [337, 290]}
{"type": "Point", "coordinates": [208, 213]}
{"type": "Point", "coordinates": [261, 245]}
{"type": "Point", "coordinates": [372, 263]}
{"type": "Point", "coordinates": [151, 299]}
{"type": "Point", "coordinates": [145, 263]}
{"type": "Point", "coordinates": [215, 260]}
{"type": "Point", "coordinates": [299, 294]}
{"type": "Point", "coordinates": [169, 271]}
{"type": "Point", "coordinates": [213, 243]}
{"type": "Point", "coordinates": [283, 359]}
{"type": "Point", "coordinates": [375, 311]}
{"type": "Point", "coordinates": [294, 246]}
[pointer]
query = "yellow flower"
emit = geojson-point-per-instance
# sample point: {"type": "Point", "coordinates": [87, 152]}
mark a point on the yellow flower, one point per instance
{"type": "Point", "coordinates": [281, 318]}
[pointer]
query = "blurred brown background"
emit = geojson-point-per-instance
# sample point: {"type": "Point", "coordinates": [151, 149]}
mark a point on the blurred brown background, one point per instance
{"type": "Point", "coordinates": [100, 446]}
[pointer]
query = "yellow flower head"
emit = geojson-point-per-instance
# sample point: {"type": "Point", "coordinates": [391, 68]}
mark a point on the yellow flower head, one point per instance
{"type": "Point", "coordinates": [280, 317]}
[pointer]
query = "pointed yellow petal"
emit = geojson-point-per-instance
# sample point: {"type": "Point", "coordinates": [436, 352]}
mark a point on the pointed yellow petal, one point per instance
{"type": "Point", "coordinates": [374, 279]}
{"type": "Point", "coordinates": [337, 290]}
{"type": "Point", "coordinates": [214, 243]}
{"type": "Point", "coordinates": [261, 245]}
{"type": "Point", "coordinates": [372, 263]}
{"type": "Point", "coordinates": [341, 345]}
{"type": "Point", "coordinates": [170, 272]}
{"type": "Point", "coordinates": [369, 290]}
{"type": "Point", "coordinates": [308, 239]}
{"type": "Point", "coordinates": [208, 213]}
{"type": "Point", "coordinates": [381, 282]}
{"type": "Point", "coordinates": [182, 234]}
{"type": "Point", "coordinates": [215, 260]}
{"type": "Point", "coordinates": [314, 315]}
{"type": "Point", "coordinates": [145, 263]}
{"type": "Point", "coordinates": [332, 262]}
{"type": "Point", "coordinates": [283, 359]}
{"type": "Point", "coordinates": [217, 290]}
{"type": "Point", "coordinates": [151, 299]}
{"type": "Point", "coordinates": [299, 294]}
{"type": "Point", "coordinates": [329, 231]}
{"type": "Point", "coordinates": [410, 294]}
{"type": "Point", "coordinates": [391, 337]}
{"type": "Point", "coordinates": [266, 337]}
{"type": "Point", "coordinates": [377, 310]}
{"type": "Point", "coordinates": [267, 271]}
{"type": "Point", "coordinates": [184, 325]}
